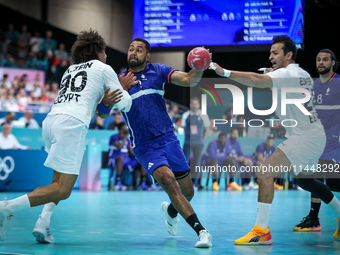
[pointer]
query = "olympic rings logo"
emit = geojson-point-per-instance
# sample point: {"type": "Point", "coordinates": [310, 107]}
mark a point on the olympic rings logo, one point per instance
{"type": "Point", "coordinates": [7, 168]}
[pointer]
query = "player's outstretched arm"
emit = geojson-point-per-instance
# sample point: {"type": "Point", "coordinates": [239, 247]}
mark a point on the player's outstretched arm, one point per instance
{"type": "Point", "coordinates": [246, 78]}
{"type": "Point", "coordinates": [184, 79]}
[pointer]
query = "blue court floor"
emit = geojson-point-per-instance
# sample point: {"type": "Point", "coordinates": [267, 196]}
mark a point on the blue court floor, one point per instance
{"type": "Point", "coordinates": [131, 223]}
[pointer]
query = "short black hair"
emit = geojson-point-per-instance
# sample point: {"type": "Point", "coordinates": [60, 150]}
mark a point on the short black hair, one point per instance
{"type": "Point", "coordinates": [288, 46]}
{"type": "Point", "coordinates": [147, 44]}
{"type": "Point", "coordinates": [121, 125]}
{"type": "Point", "coordinates": [336, 65]}
{"type": "Point", "coordinates": [87, 46]}
{"type": "Point", "coordinates": [222, 134]}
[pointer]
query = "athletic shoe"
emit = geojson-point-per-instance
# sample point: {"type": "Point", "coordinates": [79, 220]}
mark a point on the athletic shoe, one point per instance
{"type": "Point", "coordinates": [257, 236]}
{"type": "Point", "coordinates": [215, 186]}
{"type": "Point", "coordinates": [144, 186]}
{"type": "Point", "coordinates": [4, 216]}
{"type": "Point", "coordinates": [120, 187]}
{"type": "Point", "coordinates": [278, 186]}
{"type": "Point", "coordinates": [336, 234]}
{"type": "Point", "coordinates": [170, 223]}
{"type": "Point", "coordinates": [253, 185]}
{"type": "Point", "coordinates": [246, 187]}
{"type": "Point", "coordinates": [42, 231]}
{"type": "Point", "coordinates": [308, 224]}
{"type": "Point", "coordinates": [234, 186]}
{"type": "Point", "coordinates": [204, 239]}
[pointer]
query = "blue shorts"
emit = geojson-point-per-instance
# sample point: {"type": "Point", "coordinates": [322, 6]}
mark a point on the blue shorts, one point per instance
{"type": "Point", "coordinates": [163, 151]}
{"type": "Point", "coordinates": [332, 151]}
{"type": "Point", "coordinates": [128, 163]}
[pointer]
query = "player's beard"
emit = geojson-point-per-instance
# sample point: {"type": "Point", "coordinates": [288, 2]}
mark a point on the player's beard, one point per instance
{"type": "Point", "coordinates": [137, 63]}
{"type": "Point", "coordinates": [324, 71]}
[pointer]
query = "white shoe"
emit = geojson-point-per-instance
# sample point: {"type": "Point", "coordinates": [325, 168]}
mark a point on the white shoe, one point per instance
{"type": "Point", "coordinates": [42, 231]}
{"type": "Point", "coordinates": [253, 185]}
{"type": "Point", "coordinates": [4, 216]}
{"type": "Point", "coordinates": [170, 223]}
{"type": "Point", "coordinates": [204, 239]}
{"type": "Point", "coordinates": [246, 187]}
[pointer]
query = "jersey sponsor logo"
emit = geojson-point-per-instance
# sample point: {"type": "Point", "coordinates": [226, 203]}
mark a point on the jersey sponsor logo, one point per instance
{"type": "Point", "coordinates": [327, 92]}
{"type": "Point", "coordinates": [7, 165]}
{"type": "Point", "coordinates": [150, 165]}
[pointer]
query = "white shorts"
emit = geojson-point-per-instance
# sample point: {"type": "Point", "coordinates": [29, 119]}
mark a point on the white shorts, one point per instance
{"type": "Point", "coordinates": [64, 138]}
{"type": "Point", "coordinates": [304, 151]}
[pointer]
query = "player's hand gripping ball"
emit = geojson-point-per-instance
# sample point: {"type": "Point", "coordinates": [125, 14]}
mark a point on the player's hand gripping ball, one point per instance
{"type": "Point", "coordinates": [199, 59]}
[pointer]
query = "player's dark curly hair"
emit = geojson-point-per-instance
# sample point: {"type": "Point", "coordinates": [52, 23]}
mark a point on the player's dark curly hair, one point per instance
{"type": "Point", "coordinates": [333, 57]}
{"type": "Point", "coordinates": [289, 45]}
{"type": "Point", "coordinates": [88, 45]}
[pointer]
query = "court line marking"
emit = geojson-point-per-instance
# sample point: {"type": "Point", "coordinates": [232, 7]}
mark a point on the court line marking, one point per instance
{"type": "Point", "coordinates": [68, 231]}
{"type": "Point", "coordinates": [6, 253]}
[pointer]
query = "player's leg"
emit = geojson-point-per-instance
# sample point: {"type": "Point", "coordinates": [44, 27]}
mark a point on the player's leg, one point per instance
{"type": "Point", "coordinates": [197, 151]}
{"type": "Point", "coordinates": [42, 231]}
{"type": "Point", "coordinates": [166, 179]}
{"type": "Point", "coordinates": [311, 221]}
{"type": "Point", "coordinates": [231, 164]}
{"type": "Point", "coordinates": [260, 233]}
{"type": "Point", "coordinates": [214, 163]}
{"type": "Point", "coordinates": [119, 167]}
{"type": "Point", "coordinates": [334, 185]}
{"type": "Point", "coordinates": [60, 189]}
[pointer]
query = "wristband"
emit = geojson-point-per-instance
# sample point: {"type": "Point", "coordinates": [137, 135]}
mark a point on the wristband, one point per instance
{"type": "Point", "coordinates": [226, 73]}
{"type": "Point", "coordinates": [104, 109]}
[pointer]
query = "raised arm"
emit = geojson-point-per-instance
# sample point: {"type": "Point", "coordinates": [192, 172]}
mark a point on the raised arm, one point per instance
{"type": "Point", "coordinates": [246, 78]}
{"type": "Point", "coordinates": [183, 79]}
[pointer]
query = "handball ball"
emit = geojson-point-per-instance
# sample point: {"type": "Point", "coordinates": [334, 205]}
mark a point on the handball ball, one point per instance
{"type": "Point", "coordinates": [199, 59]}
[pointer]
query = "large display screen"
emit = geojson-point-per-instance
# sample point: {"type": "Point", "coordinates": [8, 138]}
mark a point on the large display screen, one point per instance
{"type": "Point", "coordinates": [178, 23]}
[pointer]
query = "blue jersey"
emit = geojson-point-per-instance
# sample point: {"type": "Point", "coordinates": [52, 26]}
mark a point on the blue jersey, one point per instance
{"type": "Point", "coordinates": [234, 148]}
{"type": "Point", "coordinates": [327, 105]}
{"type": "Point", "coordinates": [113, 150]}
{"type": "Point", "coordinates": [216, 151]}
{"type": "Point", "coordinates": [148, 117]}
{"type": "Point", "coordinates": [261, 149]}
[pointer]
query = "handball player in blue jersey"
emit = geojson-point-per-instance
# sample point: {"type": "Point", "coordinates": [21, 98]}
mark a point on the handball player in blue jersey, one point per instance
{"type": "Point", "coordinates": [327, 105]}
{"type": "Point", "coordinates": [154, 143]}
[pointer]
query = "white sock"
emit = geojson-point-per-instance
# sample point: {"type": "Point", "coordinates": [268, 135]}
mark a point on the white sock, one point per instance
{"type": "Point", "coordinates": [18, 204]}
{"type": "Point", "coordinates": [263, 211]}
{"type": "Point", "coordinates": [335, 205]}
{"type": "Point", "coordinates": [47, 211]}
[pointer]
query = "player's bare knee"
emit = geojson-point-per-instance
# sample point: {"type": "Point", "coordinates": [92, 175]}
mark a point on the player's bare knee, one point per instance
{"type": "Point", "coordinates": [64, 193]}
{"type": "Point", "coordinates": [189, 193]}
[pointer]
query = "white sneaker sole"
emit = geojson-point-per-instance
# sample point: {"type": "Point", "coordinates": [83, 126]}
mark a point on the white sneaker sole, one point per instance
{"type": "Point", "coordinates": [40, 237]}
{"type": "Point", "coordinates": [203, 245]}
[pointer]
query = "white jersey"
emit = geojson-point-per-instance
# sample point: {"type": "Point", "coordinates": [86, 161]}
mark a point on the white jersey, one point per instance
{"type": "Point", "coordinates": [295, 77]}
{"type": "Point", "coordinates": [82, 86]}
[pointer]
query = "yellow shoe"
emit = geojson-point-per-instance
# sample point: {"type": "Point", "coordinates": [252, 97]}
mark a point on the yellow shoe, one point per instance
{"type": "Point", "coordinates": [336, 234]}
{"type": "Point", "coordinates": [278, 186]}
{"type": "Point", "coordinates": [258, 236]}
{"type": "Point", "coordinates": [215, 186]}
{"type": "Point", "coordinates": [234, 186]}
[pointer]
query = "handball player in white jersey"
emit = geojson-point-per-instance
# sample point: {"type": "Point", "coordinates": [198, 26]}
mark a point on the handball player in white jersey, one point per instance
{"type": "Point", "coordinates": [83, 86]}
{"type": "Point", "coordinates": [305, 140]}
